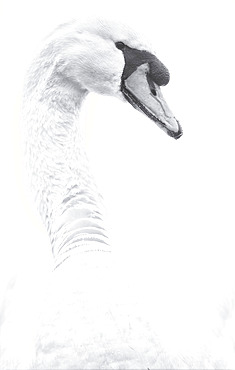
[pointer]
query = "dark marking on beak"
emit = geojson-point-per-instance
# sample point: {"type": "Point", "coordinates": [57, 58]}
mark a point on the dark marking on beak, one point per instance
{"type": "Point", "coordinates": [134, 58]}
{"type": "Point", "coordinates": [151, 84]}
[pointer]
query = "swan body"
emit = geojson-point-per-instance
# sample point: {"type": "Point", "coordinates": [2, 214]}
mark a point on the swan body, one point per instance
{"type": "Point", "coordinates": [89, 315]}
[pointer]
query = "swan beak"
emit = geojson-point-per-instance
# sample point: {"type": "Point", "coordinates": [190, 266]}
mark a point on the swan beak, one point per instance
{"type": "Point", "coordinates": [144, 94]}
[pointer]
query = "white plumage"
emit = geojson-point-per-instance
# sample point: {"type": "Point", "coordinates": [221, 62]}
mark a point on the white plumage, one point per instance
{"type": "Point", "coordinates": [89, 313]}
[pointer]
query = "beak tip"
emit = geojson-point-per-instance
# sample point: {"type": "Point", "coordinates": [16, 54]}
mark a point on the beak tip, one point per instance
{"type": "Point", "coordinates": [176, 135]}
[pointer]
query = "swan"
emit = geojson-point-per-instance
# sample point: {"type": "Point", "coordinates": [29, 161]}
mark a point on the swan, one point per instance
{"type": "Point", "coordinates": [76, 60]}
{"type": "Point", "coordinates": [86, 317]}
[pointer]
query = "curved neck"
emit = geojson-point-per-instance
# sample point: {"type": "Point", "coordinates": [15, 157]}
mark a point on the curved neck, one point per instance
{"type": "Point", "coordinates": [64, 189]}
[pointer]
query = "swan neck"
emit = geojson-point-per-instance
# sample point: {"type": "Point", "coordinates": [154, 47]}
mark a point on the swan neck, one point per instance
{"type": "Point", "coordinates": [63, 186]}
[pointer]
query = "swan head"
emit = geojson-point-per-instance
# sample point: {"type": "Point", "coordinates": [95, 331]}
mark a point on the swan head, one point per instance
{"type": "Point", "coordinates": [109, 58]}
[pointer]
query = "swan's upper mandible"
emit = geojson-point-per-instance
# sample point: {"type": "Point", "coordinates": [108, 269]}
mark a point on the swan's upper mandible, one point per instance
{"type": "Point", "coordinates": [142, 76]}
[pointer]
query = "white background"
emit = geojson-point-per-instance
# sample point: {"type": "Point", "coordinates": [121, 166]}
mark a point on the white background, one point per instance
{"type": "Point", "coordinates": [170, 203]}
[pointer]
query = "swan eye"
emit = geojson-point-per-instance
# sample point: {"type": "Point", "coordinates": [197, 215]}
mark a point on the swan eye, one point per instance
{"type": "Point", "coordinates": [120, 45]}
